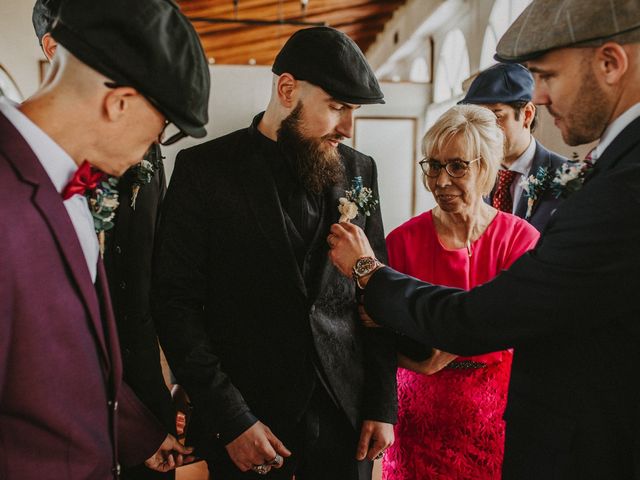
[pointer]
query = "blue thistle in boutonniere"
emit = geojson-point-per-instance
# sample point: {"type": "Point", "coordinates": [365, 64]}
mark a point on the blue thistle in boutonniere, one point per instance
{"type": "Point", "coordinates": [533, 186]}
{"type": "Point", "coordinates": [103, 201]}
{"type": "Point", "coordinates": [358, 199]}
{"type": "Point", "coordinates": [144, 171]}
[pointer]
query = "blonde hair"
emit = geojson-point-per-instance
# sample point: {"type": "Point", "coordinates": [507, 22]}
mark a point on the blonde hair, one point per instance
{"type": "Point", "coordinates": [479, 135]}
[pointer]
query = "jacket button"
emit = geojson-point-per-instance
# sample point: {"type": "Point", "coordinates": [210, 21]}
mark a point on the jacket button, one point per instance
{"type": "Point", "coordinates": [116, 470]}
{"type": "Point", "coordinates": [123, 285]}
{"type": "Point", "coordinates": [113, 405]}
{"type": "Point", "coordinates": [118, 249]}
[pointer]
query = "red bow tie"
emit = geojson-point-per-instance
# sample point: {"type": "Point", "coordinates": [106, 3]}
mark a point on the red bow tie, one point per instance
{"type": "Point", "coordinates": [85, 178]}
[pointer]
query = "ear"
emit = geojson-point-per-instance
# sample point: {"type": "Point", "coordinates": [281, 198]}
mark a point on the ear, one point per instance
{"type": "Point", "coordinates": [49, 46]}
{"type": "Point", "coordinates": [286, 88]}
{"type": "Point", "coordinates": [118, 101]}
{"type": "Point", "coordinates": [611, 62]}
{"type": "Point", "coordinates": [528, 112]}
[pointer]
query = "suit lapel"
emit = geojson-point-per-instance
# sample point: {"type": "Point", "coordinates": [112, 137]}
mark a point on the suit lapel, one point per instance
{"type": "Point", "coordinates": [540, 159]}
{"type": "Point", "coordinates": [262, 197]}
{"type": "Point", "coordinates": [49, 203]}
{"type": "Point", "coordinates": [626, 140]}
{"type": "Point", "coordinates": [331, 216]}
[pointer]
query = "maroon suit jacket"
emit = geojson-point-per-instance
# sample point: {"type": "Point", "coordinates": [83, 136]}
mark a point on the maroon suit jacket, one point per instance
{"type": "Point", "coordinates": [64, 411]}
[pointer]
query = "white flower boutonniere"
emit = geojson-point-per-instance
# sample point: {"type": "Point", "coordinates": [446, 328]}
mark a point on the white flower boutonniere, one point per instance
{"type": "Point", "coordinates": [570, 177]}
{"type": "Point", "coordinates": [533, 186]}
{"type": "Point", "coordinates": [358, 199]}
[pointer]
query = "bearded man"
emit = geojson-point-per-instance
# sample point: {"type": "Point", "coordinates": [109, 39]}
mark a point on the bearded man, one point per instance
{"type": "Point", "coordinates": [257, 325]}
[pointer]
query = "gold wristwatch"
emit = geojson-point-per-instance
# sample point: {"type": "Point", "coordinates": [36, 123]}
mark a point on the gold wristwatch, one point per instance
{"type": "Point", "coordinates": [365, 266]}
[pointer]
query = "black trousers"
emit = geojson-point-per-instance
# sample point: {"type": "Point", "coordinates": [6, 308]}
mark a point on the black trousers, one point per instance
{"type": "Point", "coordinates": [141, 472]}
{"type": "Point", "coordinates": [323, 448]}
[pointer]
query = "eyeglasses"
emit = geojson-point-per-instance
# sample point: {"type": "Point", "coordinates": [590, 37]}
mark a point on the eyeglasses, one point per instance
{"type": "Point", "coordinates": [170, 133]}
{"type": "Point", "coordinates": [455, 168]}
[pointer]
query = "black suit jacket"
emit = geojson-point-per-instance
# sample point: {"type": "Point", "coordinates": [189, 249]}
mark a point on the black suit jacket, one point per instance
{"type": "Point", "coordinates": [570, 309]}
{"type": "Point", "coordinates": [127, 258]}
{"type": "Point", "coordinates": [128, 254]}
{"type": "Point", "coordinates": [235, 320]}
{"type": "Point", "coordinates": [546, 203]}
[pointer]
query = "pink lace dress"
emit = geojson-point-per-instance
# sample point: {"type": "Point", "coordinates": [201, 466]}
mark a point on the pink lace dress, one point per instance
{"type": "Point", "coordinates": [450, 424]}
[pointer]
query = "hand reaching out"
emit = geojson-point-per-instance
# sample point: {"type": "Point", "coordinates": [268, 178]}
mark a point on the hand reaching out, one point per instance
{"type": "Point", "coordinates": [170, 455]}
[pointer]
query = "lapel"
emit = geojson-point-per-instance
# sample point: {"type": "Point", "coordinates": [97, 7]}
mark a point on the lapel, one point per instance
{"type": "Point", "coordinates": [262, 196]}
{"type": "Point", "coordinates": [541, 158]}
{"type": "Point", "coordinates": [625, 141]}
{"type": "Point", "coordinates": [330, 275]}
{"type": "Point", "coordinates": [110, 330]}
{"type": "Point", "coordinates": [49, 203]}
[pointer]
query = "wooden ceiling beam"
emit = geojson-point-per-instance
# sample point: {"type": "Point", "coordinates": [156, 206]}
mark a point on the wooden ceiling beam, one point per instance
{"type": "Point", "coordinates": [235, 43]}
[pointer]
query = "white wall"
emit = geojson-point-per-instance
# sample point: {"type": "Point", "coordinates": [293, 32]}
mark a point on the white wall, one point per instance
{"type": "Point", "coordinates": [419, 20]}
{"type": "Point", "coordinates": [19, 49]}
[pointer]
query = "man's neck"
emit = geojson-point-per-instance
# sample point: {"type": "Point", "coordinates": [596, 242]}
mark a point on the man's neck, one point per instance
{"type": "Point", "coordinates": [269, 125]}
{"type": "Point", "coordinates": [509, 160]}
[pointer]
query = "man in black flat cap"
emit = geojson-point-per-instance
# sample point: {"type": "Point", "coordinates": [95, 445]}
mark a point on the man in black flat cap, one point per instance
{"type": "Point", "coordinates": [569, 307]}
{"type": "Point", "coordinates": [64, 410]}
{"type": "Point", "coordinates": [257, 325]}
{"type": "Point", "coordinates": [127, 258]}
{"type": "Point", "coordinates": [506, 89]}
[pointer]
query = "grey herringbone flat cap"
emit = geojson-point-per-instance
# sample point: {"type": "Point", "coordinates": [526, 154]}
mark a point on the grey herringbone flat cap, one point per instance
{"type": "Point", "coordinates": [549, 24]}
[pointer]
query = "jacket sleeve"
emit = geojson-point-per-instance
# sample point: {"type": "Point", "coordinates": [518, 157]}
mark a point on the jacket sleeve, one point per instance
{"type": "Point", "coordinates": [139, 432]}
{"type": "Point", "coordinates": [178, 299]}
{"type": "Point", "coordinates": [580, 277]}
{"type": "Point", "coordinates": [380, 396]}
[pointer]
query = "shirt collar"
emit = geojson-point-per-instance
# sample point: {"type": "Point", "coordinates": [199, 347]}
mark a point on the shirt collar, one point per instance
{"type": "Point", "coordinates": [56, 162]}
{"type": "Point", "coordinates": [614, 129]}
{"type": "Point", "coordinates": [523, 163]}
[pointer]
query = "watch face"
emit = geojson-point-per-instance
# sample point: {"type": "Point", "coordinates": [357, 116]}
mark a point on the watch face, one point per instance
{"type": "Point", "coordinates": [364, 266]}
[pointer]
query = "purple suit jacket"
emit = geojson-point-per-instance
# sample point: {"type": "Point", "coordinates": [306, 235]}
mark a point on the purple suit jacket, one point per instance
{"type": "Point", "coordinates": [64, 411]}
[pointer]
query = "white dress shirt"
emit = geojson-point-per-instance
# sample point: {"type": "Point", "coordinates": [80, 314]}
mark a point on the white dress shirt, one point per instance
{"type": "Point", "coordinates": [614, 129]}
{"type": "Point", "coordinates": [60, 167]}
{"type": "Point", "coordinates": [522, 165]}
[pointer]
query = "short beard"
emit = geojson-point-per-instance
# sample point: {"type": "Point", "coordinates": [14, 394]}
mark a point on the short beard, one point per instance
{"type": "Point", "coordinates": [589, 115]}
{"type": "Point", "coordinates": [314, 166]}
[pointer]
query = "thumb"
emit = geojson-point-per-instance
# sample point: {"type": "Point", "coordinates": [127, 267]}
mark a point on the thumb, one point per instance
{"type": "Point", "coordinates": [278, 446]}
{"type": "Point", "coordinates": [179, 448]}
{"type": "Point", "coordinates": [363, 443]}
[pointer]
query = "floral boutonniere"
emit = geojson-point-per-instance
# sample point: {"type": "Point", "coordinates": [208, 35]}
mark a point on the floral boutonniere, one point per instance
{"type": "Point", "coordinates": [103, 201]}
{"type": "Point", "coordinates": [533, 186]}
{"type": "Point", "coordinates": [570, 177]}
{"type": "Point", "coordinates": [358, 199]}
{"type": "Point", "coordinates": [143, 173]}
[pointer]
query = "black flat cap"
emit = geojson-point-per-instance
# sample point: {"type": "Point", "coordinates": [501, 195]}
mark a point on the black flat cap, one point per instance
{"type": "Point", "coordinates": [501, 83]}
{"type": "Point", "coordinates": [549, 24]}
{"type": "Point", "coordinates": [44, 13]}
{"type": "Point", "coordinates": [332, 61]}
{"type": "Point", "coordinates": [146, 44]}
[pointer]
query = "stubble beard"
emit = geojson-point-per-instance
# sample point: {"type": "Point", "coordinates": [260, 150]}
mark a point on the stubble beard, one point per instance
{"type": "Point", "coordinates": [589, 115]}
{"type": "Point", "coordinates": [316, 164]}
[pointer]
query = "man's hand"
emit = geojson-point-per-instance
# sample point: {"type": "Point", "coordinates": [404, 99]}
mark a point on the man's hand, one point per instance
{"type": "Point", "coordinates": [170, 455]}
{"type": "Point", "coordinates": [375, 438]}
{"type": "Point", "coordinates": [348, 243]}
{"type": "Point", "coordinates": [436, 362]}
{"type": "Point", "coordinates": [256, 446]}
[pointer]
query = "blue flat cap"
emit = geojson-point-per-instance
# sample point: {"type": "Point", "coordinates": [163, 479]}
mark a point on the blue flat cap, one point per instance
{"type": "Point", "coordinates": [501, 83]}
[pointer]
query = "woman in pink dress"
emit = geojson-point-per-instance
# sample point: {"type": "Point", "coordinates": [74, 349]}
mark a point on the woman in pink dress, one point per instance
{"type": "Point", "coordinates": [450, 423]}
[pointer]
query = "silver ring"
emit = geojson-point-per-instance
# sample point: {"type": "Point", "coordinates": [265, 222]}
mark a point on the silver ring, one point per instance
{"type": "Point", "coordinates": [379, 456]}
{"type": "Point", "coordinates": [261, 469]}
{"type": "Point", "coordinates": [277, 460]}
